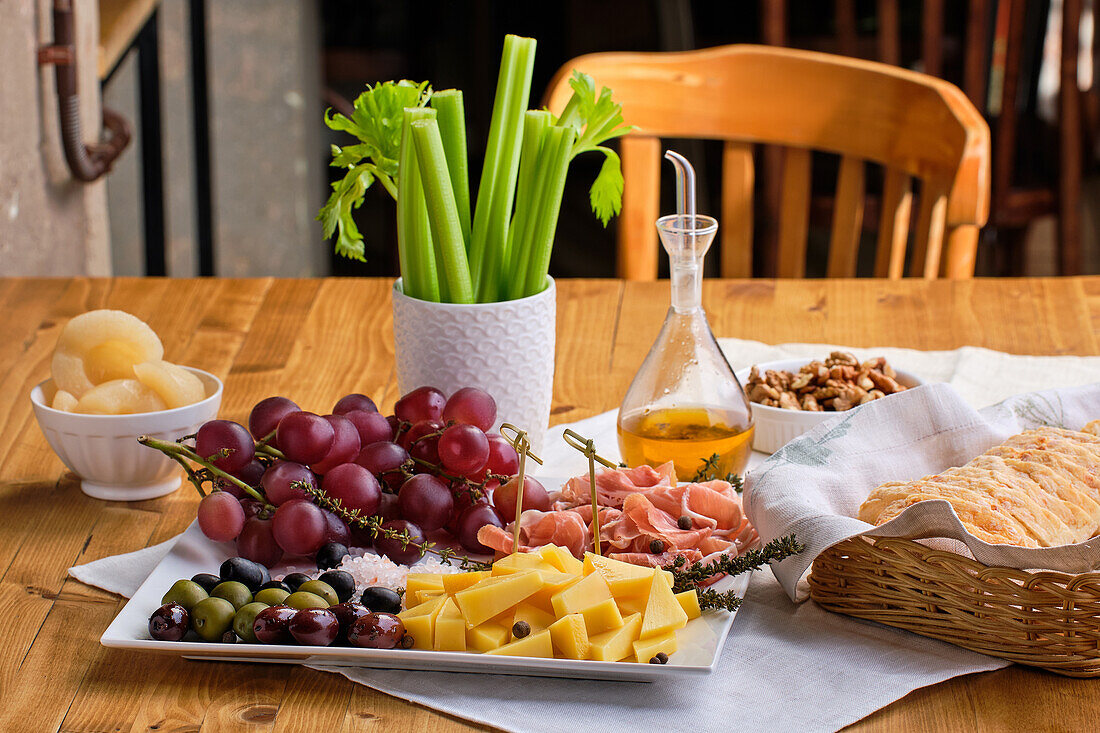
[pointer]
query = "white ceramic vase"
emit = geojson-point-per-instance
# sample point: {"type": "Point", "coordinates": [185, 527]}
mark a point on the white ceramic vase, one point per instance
{"type": "Point", "coordinates": [506, 349]}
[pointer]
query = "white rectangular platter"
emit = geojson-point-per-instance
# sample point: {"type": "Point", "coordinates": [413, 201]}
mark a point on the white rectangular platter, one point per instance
{"type": "Point", "coordinates": [700, 643]}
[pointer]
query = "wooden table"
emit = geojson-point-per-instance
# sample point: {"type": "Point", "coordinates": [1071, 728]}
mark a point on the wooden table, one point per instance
{"type": "Point", "coordinates": [315, 340]}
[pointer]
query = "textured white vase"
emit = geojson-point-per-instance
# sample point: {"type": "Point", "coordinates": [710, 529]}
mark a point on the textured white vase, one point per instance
{"type": "Point", "coordinates": [506, 349]}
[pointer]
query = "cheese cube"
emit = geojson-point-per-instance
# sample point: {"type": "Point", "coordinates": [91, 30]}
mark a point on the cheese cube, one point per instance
{"type": "Point", "coordinates": [646, 649]}
{"type": "Point", "coordinates": [570, 636]}
{"type": "Point", "coordinates": [562, 559]}
{"type": "Point", "coordinates": [536, 618]}
{"type": "Point", "coordinates": [416, 582]}
{"type": "Point", "coordinates": [632, 604]}
{"type": "Point", "coordinates": [492, 596]}
{"type": "Point", "coordinates": [589, 591]}
{"type": "Point", "coordinates": [449, 634]}
{"type": "Point", "coordinates": [662, 611]}
{"type": "Point", "coordinates": [487, 636]}
{"type": "Point", "coordinates": [535, 645]}
{"type": "Point", "coordinates": [689, 601]}
{"type": "Point", "coordinates": [419, 621]}
{"type": "Point", "coordinates": [424, 594]}
{"type": "Point", "coordinates": [602, 617]}
{"type": "Point", "coordinates": [521, 561]}
{"type": "Point", "coordinates": [455, 582]}
{"type": "Point", "coordinates": [611, 646]}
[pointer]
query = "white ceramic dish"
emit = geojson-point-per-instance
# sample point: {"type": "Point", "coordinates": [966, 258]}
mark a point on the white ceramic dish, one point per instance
{"type": "Point", "coordinates": [700, 643]}
{"type": "Point", "coordinates": [775, 427]}
{"type": "Point", "coordinates": [103, 449]}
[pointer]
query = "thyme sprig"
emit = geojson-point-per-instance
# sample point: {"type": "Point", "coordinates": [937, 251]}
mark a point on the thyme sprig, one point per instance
{"type": "Point", "coordinates": [372, 524]}
{"type": "Point", "coordinates": [709, 472]}
{"type": "Point", "coordinates": [687, 577]}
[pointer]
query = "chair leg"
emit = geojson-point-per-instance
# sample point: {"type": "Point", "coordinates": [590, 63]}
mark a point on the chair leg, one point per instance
{"type": "Point", "coordinates": [962, 251]}
{"type": "Point", "coordinates": [1070, 153]}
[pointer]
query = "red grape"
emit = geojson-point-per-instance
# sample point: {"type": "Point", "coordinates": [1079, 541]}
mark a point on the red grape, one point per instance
{"type": "Point", "coordinates": [355, 401]}
{"type": "Point", "coordinates": [218, 435]}
{"type": "Point", "coordinates": [425, 451]}
{"type": "Point", "coordinates": [427, 501]}
{"type": "Point", "coordinates": [470, 521]}
{"type": "Point", "coordinates": [463, 449]}
{"type": "Point", "coordinates": [251, 507]}
{"type": "Point", "coordinates": [335, 529]}
{"type": "Point", "coordinates": [388, 508]}
{"type": "Point", "coordinates": [372, 427]}
{"type": "Point", "coordinates": [418, 431]}
{"type": "Point", "coordinates": [503, 459]}
{"type": "Point", "coordinates": [384, 460]}
{"type": "Point", "coordinates": [471, 406]}
{"type": "Point", "coordinates": [394, 423]}
{"type": "Point", "coordinates": [267, 413]}
{"type": "Point", "coordinates": [354, 486]}
{"type": "Point", "coordinates": [250, 474]}
{"type": "Point", "coordinates": [257, 543]}
{"type": "Point", "coordinates": [423, 403]}
{"type": "Point", "coordinates": [278, 478]}
{"type": "Point", "coordinates": [394, 549]}
{"type": "Point", "coordinates": [534, 497]}
{"type": "Point", "coordinates": [299, 527]}
{"type": "Point", "coordinates": [305, 437]}
{"type": "Point", "coordinates": [345, 446]}
{"type": "Point", "coordinates": [221, 516]}
{"type": "Point", "coordinates": [462, 493]}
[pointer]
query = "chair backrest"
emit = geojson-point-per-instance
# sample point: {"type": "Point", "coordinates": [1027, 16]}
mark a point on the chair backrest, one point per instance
{"type": "Point", "coordinates": [914, 126]}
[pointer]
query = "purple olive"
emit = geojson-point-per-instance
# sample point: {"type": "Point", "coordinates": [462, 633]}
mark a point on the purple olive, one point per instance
{"type": "Point", "coordinates": [377, 631]}
{"type": "Point", "coordinates": [272, 625]}
{"type": "Point", "coordinates": [314, 627]}
{"type": "Point", "coordinates": [169, 622]}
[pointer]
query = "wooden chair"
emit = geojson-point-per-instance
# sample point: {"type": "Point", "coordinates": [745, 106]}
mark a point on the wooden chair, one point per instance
{"type": "Point", "coordinates": [915, 126]}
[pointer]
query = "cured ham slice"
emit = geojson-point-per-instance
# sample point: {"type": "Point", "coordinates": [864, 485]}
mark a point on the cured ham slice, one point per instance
{"type": "Point", "coordinates": [614, 485]}
{"type": "Point", "coordinates": [565, 529]}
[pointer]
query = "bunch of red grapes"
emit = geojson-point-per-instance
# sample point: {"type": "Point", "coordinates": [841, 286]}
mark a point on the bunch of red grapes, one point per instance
{"type": "Point", "coordinates": [430, 471]}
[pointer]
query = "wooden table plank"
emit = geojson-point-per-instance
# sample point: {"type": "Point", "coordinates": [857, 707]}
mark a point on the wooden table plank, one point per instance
{"type": "Point", "coordinates": [315, 340]}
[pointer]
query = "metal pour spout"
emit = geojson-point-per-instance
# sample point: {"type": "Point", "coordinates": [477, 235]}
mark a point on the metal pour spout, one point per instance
{"type": "Point", "coordinates": [685, 188]}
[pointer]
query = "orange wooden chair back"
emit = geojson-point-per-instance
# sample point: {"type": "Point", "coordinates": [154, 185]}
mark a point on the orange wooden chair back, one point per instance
{"type": "Point", "coordinates": [915, 126]}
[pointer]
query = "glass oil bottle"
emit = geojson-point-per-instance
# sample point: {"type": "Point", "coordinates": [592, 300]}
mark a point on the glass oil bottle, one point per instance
{"type": "Point", "coordinates": [685, 404]}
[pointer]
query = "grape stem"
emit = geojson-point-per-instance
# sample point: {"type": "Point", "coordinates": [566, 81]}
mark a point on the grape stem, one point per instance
{"type": "Point", "coordinates": [268, 450]}
{"type": "Point", "coordinates": [178, 452]}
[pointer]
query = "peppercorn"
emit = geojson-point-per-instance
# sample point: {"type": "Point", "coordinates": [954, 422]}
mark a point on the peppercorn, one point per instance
{"type": "Point", "coordinates": [407, 641]}
{"type": "Point", "coordinates": [662, 658]}
{"type": "Point", "coordinates": [656, 547]}
{"type": "Point", "coordinates": [684, 522]}
{"type": "Point", "coordinates": [654, 660]}
{"type": "Point", "coordinates": [229, 637]}
{"type": "Point", "coordinates": [521, 629]}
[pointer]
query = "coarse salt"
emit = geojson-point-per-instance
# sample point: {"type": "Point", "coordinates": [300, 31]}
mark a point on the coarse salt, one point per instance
{"type": "Point", "coordinates": [369, 569]}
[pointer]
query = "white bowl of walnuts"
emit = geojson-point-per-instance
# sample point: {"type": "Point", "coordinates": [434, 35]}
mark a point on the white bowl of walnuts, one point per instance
{"type": "Point", "coordinates": [793, 396]}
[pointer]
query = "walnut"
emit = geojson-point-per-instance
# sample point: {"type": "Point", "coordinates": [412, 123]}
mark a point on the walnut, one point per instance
{"type": "Point", "coordinates": [842, 358]}
{"type": "Point", "coordinates": [802, 380]}
{"type": "Point", "coordinates": [887, 384]}
{"type": "Point", "coordinates": [760, 392]}
{"type": "Point", "coordinates": [874, 394]}
{"type": "Point", "coordinates": [863, 379]}
{"type": "Point", "coordinates": [810, 404]}
{"type": "Point", "coordinates": [788, 401]}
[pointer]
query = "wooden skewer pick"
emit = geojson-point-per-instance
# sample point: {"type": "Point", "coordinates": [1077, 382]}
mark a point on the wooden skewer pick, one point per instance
{"type": "Point", "coordinates": [522, 445]}
{"type": "Point", "coordinates": [588, 447]}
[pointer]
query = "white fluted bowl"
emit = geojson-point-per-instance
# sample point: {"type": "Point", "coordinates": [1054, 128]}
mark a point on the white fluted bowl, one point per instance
{"type": "Point", "coordinates": [103, 449]}
{"type": "Point", "coordinates": [506, 349]}
{"type": "Point", "coordinates": [775, 426]}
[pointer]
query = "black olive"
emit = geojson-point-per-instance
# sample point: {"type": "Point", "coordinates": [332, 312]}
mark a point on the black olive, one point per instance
{"type": "Point", "coordinates": [277, 584]}
{"type": "Point", "coordinates": [206, 580]}
{"type": "Point", "coordinates": [381, 599]}
{"type": "Point", "coordinates": [341, 582]}
{"type": "Point", "coordinates": [242, 570]}
{"type": "Point", "coordinates": [294, 581]}
{"type": "Point", "coordinates": [331, 555]}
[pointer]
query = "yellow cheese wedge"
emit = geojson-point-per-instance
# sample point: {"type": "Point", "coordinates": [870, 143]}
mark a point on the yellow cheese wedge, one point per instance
{"type": "Point", "coordinates": [570, 636]}
{"type": "Point", "coordinates": [662, 611]}
{"type": "Point", "coordinates": [553, 583]}
{"type": "Point", "coordinates": [646, 649]}
{"type": "Point", "coordinates": [490, 597]}
{"type": "Point", "coordinates": [419, 621]}
{"type": "Point", "coordinates": [689, 601]}
{"type": "Point", "coordinates": [425, 594]}
{"type": "Point", "coordinates": [632, 604]}
{"type": "Point", "coordinates": [623, 578]}
{"type": "Point", "coordinates": [455, 582]}
{"type": "Point", "coordinates": [449, 634]}
{"type": "Point", "coordinates": [535, 617]}
{"type": "Point", "coordinates": [562, 559]}
{"type": "Point", "coordinates": [602, 617]}
{"type": "Point", "coordinates": [417, 582]}
{"type": "Point", "coordinates": [520, 561]}
{"type": "Point", "coordinates": [589, 591]}
{"type": "Point", "coordinates": [535, 645]}
{"type": "Point", "coordinates": [611, 646]}
{"type": "Point", "coordinates": [487, 636]}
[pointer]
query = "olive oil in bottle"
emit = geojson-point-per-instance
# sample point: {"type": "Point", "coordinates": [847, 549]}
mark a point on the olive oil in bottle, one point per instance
{"type": "Point", "coordinates": [683, 435]}
{"type": "Point", "coordinates": [685, 403]}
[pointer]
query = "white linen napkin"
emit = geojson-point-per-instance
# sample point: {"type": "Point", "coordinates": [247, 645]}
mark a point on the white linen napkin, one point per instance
{"type": "Point", "coordinates": [786, 666]}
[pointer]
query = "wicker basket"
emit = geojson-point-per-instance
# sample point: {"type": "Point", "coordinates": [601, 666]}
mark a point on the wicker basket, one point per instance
{"type": "Point", "coordinates": [1043, 619]}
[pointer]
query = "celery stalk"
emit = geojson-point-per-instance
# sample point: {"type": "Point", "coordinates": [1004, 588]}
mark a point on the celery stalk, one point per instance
{"type": "Point", "coordinates": [501, 167]}
{"type": "Point", "coordinates": [535, 123]}
{"type": "Point", "coordinates": [414, 237]}
{"type": "Point", "coordinates": [442, 210]}
{"type": "Point", "coordinates": [553, 167]}
{"type": "Point", "coordinates": [452, 128]}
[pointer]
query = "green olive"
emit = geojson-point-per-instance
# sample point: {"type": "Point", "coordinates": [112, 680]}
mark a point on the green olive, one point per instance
{"type": "Point", "coordinates": [271, 596]}
{"type": "Point", "coordinates": [304, 599]}
{"type": "Point", "coordinates": [184, 592]}
{"type": "Point", "coordinates": [211, 617]}
{"type": "Point", "coordinates": [246, 616]}
{"type": "Point", "coordinates": [233, 591]}
{"type": "Point", "coordinates": [320, 588]}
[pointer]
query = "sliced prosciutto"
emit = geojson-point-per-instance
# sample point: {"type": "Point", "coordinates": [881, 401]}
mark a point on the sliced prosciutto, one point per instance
{"type": "Point", "coordinates": [614, 485]}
